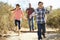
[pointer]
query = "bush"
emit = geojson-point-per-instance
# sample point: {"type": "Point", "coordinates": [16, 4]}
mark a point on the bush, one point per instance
{"type": "Point", "coordinates": [53, 19]}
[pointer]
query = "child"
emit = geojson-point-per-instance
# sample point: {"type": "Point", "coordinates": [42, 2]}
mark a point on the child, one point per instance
{"type": "Point", "coordinates": [18, 15]}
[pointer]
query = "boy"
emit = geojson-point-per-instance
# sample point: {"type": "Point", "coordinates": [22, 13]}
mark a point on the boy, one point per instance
{"type": "Point", "coordinates": [40, 17]}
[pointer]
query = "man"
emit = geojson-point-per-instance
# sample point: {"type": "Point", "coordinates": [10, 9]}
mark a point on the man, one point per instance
{"type": "Point", "coordinates": [29, 11]}
{"type": "Point", "coordinates": [40, 17]}
{"type": "Point", "coordinates": [17, 16]}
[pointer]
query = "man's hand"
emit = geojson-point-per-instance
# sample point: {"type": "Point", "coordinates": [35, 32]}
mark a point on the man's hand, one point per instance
{"type": "Point", "coordinates": [50, 8]}
{"type": "Point", "coordinates": [33, 14]}
{"type": "Point", "coordinates": [30, 16]}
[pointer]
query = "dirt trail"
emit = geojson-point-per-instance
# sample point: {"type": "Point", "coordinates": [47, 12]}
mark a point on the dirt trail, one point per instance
{"type": "Point", "coordinates": [29, 36]}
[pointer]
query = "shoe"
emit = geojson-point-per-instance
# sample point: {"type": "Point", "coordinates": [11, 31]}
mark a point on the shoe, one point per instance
{"type": "Point", "coordinates": [39, 39]}
{"type": "Point", "coordinates": [32, 31]}
{"type": "Point", "coordinates": [44, 36]}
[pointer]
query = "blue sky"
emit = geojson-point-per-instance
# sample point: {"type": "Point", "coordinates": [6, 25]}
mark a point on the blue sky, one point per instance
{"type": "Point", "coordinates": [24, 3]}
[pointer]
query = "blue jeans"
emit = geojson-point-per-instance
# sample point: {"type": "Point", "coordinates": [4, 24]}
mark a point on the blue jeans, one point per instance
{"type": "Point", "coordinates": [41, 30]}
{"type": "Point", "coordinates": [31, 23]}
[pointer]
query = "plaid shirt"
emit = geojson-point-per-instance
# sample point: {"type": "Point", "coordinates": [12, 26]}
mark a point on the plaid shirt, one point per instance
{"type": "Point", "coordinates": [40, 15]}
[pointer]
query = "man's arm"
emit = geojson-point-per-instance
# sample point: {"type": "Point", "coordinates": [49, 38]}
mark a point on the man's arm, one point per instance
{"type": "Point", "coordinates": [27, 10]}
{"type": "Point", "coordinates": [33, 9]}
{"type": "Point", "coordinates": [33, 14]}
{"type": "Point", "coordinates": [27, 13]}
{"type": "Point", "coordinates": [48, 10]}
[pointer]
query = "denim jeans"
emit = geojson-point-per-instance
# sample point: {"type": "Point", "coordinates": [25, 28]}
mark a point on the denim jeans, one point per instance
{"type": "Point", "coordinates": [41, 30]}
{"type": "Point", "coordinates": [31, 23]}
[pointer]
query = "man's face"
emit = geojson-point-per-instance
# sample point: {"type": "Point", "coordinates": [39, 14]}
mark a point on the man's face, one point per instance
{"type": "Point", "coordinates": [29, 5]}
{"type": "Point", "coordinates": [40, 5]}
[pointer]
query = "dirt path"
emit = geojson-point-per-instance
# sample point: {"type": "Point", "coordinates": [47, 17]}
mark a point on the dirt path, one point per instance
{"type": "Point", "coordinates": [29, 36]}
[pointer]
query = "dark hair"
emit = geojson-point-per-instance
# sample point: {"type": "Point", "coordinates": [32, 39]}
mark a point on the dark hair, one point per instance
{"type": "Point", "coordinates": [40, 2]}
{"type": "Point", "coordinates": [29, 3]}
{"type": "Point", "coordinates": [17, 5]}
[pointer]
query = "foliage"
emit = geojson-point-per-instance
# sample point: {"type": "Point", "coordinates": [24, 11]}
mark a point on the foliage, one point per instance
{"type": "Point", "coordinates": [54, 19]}
{"type": "Point", "coordinates": [5, 22]}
